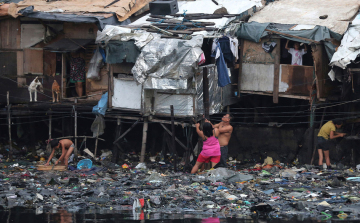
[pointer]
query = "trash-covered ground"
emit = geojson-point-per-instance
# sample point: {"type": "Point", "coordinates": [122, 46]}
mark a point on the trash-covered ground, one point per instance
{"type": "Point", "coordinates": [269, 190]}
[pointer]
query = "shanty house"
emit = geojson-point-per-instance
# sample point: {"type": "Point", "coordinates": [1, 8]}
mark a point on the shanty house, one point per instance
{"type": "Point", "coordinates": [38, 38]}
{"type": "Point", "coordinates": [157, 59]}
{"type": "Point", "coordinates": [265, 63]}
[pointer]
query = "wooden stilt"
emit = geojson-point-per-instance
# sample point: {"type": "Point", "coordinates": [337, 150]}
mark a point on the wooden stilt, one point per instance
{"type": "Point", "coordinates": [50, 123]}
{"type": "Point", "coordinates": [312, 135]}
{"type": "Point", "coordinates": [9, 123]}
{"type": "Point", "coordinates": [97, 140]}
{"type": "Point", "coordinates": [176, 139]}
{"type": "Point", "coordinates": [143, 146]}
{"type": "Point", "coordinates": [173, 137]}
{"type": "Point", "coordinates": [75, 133]}
{"type": "Point", "coordinates": [48, 148]}
{"type": "Point", "coordinates": [127, 131]}
{"type": "Point", "coordinates": [117, 147]}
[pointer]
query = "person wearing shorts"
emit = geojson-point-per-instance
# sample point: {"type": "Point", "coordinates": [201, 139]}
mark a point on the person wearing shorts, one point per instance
{"type": "Point", "coordinates": [211, 147]}
{"type": "Point", "coordinates": [67, 147]}
{"type": "Point", "coordinates": [324, 143]}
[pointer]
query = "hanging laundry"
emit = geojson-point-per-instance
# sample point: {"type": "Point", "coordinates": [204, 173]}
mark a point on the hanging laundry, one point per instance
{"type": "Point", "coordinates": [202, 59]}
{"type": "Point", "coordinates": [225, 49]}
{"type": "Point", "coordinates": [268, 46]}
{"type": "Point", "coordinates": [234, 46]}
{"type": "Point", "coordinates": [223, 75]}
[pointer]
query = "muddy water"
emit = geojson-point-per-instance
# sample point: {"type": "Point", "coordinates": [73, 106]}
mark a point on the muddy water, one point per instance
{"type": "Point", "coordinates": [21, 215]}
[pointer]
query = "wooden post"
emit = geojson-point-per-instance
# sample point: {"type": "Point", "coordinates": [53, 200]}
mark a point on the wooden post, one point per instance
{"type": "Point", "coordinates": [110, 85]}
{"type": "Point", "coordinates": [143, 146]}
{"type": "Point", "coordinates": [75, 133]}
{"type": "Point", "coordinates": [117, 147]}
{"type": "Point", "coordinates": [173, 137]}
{"type": "Point", "coordinates": [240, 65]}
{"type": "Point", "coordinates": [312, 133]}
{"type": "Point", "coordinates": [97, 140]}
{"type": "Point", "coordinates": [206, 93]}
{"type": "Point", "coordinates": [50, 121]}
{"type": "Point", "coordinates": [9, 123]}
{"type": "Point", "coordinates": [126, 132]}
{"type": "Point", "coordinates": [63, 73]}
{"type": "Point", "coordinates": [276, 73]}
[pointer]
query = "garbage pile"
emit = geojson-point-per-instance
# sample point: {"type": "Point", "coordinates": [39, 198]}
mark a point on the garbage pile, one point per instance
{"type": "Point", "coordinates": [271, 190]}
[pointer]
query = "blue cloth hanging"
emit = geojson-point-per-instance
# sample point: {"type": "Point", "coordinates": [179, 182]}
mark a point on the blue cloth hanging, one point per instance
{"type": "Point", "coordinates": [223, 75]}
{"type": "Point", "coordinates": [102, 105]}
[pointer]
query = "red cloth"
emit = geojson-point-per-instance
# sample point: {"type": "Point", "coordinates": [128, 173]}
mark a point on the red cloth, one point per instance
{"type": "Point", "coordinates": [206, 159]}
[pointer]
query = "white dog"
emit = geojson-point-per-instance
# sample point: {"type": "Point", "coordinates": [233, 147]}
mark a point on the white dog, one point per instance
{"type": "Point", "coordinates": [33, 88]}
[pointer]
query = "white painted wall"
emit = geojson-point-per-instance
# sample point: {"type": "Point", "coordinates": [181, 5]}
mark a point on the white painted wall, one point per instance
{"type": "Point", "coordinates": [127, 94]}
{"type": "Point", "coordinates": [257, 77]}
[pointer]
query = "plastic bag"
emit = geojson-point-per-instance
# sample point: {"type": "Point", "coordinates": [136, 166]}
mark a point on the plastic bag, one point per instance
{"type": "Point", "coordinates": [94, 65]}
{"type": "Point", "coordinates": [84, 164]}
{"type": "Point", "coordinates": [141, 166]}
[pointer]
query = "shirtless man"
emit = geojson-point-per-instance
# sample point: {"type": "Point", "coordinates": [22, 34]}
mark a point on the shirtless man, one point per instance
{"type": "Point", "coordinates": [67, 147]}
{"type": "Point", "coordinates": [225, 130]}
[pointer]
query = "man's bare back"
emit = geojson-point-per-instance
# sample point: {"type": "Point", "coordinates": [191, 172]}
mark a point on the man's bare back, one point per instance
{"type": "Point", "coordinates": [66, 142]}
{"type": "Point", "coordinates": [66, 146]}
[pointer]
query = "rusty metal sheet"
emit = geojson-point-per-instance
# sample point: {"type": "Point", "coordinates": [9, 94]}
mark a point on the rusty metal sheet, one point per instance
{"type": "Point", "coordinates": [296, 79]}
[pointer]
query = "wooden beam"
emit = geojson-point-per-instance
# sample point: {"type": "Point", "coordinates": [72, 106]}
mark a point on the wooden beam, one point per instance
{"type": "Point", "coordinates": [169, 122]}
{"type": "Point", "coordinates": [127, 131]}
{"type": "Point", "coordinates": [276, 73]}
{"type": "Point", "coordinates": [296, 37]}
{"type": "Point", "coordinates": [240, 65]}
{"type": "Point", "coordinates": [354, 69]}
{"type": "Point", "coordinates": [173, 137]}
{"type": "Point", "coordinates": [176, 139]}
{"type": "Point", "coordinates": [75, 131]}
{"type": "Point", "coordinates": [9, 123]}
{"type": "Point", "coordinates": [90, 137]}
{"type": "Point", "coordinates": [63, 74]}
{"type": "Point", "coordinates": [97, 139]}
{"type": "Point", "coordinates": [281, 95]}
{"type": "Point", "coordinates": [143, 145]}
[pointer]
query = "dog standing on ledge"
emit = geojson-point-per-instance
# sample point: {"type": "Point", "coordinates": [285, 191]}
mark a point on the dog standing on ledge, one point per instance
{"type": "Point", "coordinates": [55, 89]}
{"type": "Point", "coordinates": [33, 88]}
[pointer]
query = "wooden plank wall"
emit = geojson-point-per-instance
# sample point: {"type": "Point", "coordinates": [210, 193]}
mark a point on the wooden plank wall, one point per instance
{"type": "Point", "coordinates": [33, 61]}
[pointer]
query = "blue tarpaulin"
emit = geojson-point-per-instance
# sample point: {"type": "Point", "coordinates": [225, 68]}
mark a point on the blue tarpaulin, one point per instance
{"type": "Point", "coordinates": [102, 105]}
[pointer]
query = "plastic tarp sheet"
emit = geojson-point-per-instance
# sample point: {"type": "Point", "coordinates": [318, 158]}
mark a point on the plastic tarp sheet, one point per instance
{"type": "Point", "coordinates": [99, 20]}
{"type": "Point", "coordinates": [119, 51]}
{"type": "Point", "coordinates": [166, 62]}
{"type": "Point", "coordinates": [254, 31]}
{"type": "Point", "coordinates": [102, 105]}
{"type": "Point", "coordinates": [349, 48]}
{"type": "Point", "coordinates": [214, 91]}
{"type": "Point", "coordinates": [338, 13]}
{"type": "Point", "coordinates": [123, 34]}
{"type": "Point", "coordinates": [98, 126]}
